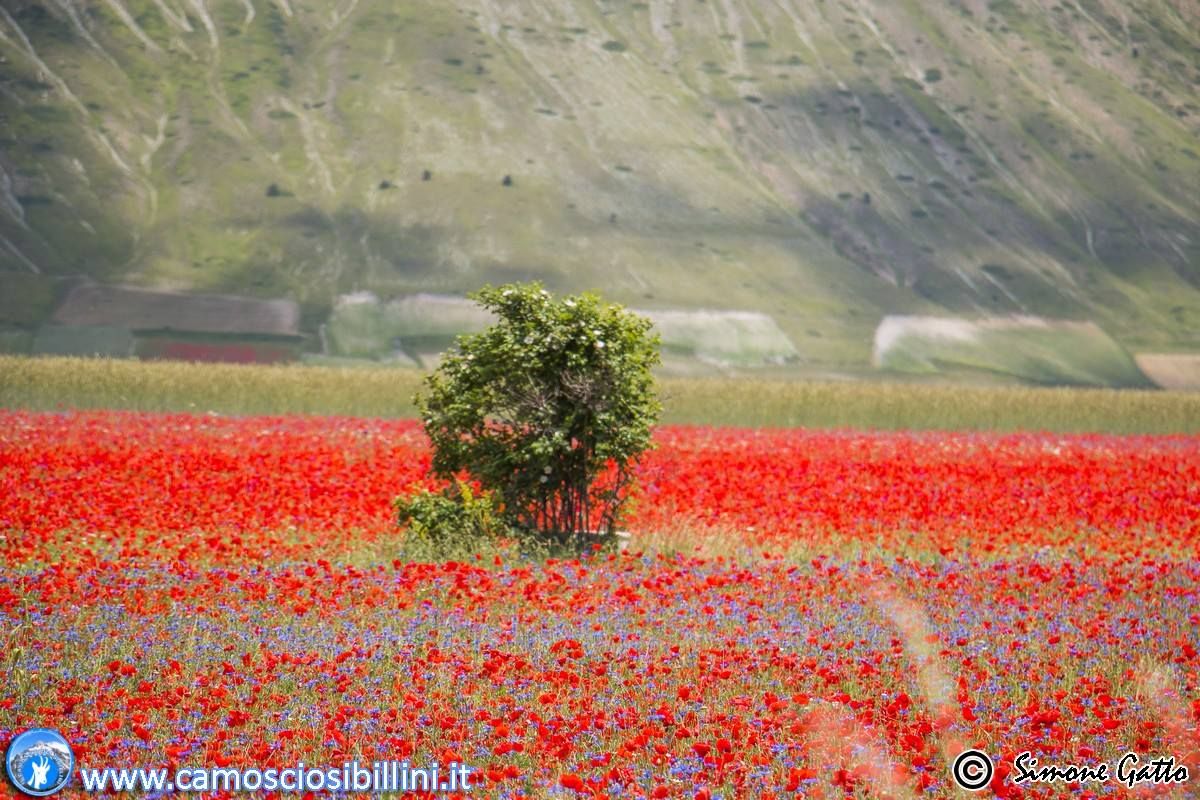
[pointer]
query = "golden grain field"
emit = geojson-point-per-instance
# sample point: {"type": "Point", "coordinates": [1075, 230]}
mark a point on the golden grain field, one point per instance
{"type": "Point", "coordinates": [74, 383]}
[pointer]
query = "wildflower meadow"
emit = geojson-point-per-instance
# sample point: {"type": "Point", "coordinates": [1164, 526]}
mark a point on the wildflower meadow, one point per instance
{"type": "Point", "coordinates": [797, 613]}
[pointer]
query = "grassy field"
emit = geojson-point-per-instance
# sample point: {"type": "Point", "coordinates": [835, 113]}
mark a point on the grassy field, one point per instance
{"type": "Point", "coordinates": [62, 383]}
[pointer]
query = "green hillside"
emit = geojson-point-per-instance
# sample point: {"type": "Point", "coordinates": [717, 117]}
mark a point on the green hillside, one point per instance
{"type": "Point", "coordinates": [825, 162]}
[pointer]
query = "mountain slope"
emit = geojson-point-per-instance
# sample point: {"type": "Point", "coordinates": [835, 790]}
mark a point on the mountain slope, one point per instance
{"type": "Point", "coordinates": [825, 162]}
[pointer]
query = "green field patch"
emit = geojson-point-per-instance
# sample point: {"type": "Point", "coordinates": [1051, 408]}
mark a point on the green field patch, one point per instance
{"type": "Point", "coordinates": [724, 338]}
{"type": "Point", "coordinates": [418, 327]}
{"type": "Point", "coordinates": [363, 326]}
{"type": "Point", "coordinates": [1031, 349]}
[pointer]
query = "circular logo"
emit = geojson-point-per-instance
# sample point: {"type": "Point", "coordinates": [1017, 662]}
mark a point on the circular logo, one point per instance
{"type": "Point", "coordinates": [39, 762]}
{"type": "Point", "coordinates": [972, 770]}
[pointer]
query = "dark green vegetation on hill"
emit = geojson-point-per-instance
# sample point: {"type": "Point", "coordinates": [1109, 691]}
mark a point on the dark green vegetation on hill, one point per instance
{"type": "Point", "coordinates": [825, 162]}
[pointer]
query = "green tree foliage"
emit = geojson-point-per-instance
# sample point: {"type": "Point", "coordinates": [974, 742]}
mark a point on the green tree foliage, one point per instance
{"type": "Point", "coordinates": [548, 409]}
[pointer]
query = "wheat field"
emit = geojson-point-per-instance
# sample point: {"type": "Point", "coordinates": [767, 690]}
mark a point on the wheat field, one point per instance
{"type": "Point", "coordinates": [74, 383]}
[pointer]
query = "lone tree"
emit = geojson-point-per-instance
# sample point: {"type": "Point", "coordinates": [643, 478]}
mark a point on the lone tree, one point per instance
{"type": "Point", "coordinates": [548, 409]}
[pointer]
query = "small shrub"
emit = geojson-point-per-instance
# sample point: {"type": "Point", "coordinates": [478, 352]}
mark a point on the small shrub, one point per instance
{"type": "Point", "coordinates": [457, 514]}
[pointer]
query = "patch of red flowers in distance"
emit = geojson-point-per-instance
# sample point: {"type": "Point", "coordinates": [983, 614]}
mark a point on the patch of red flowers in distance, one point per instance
{"type": "Point", "coordinates": [234, 484]}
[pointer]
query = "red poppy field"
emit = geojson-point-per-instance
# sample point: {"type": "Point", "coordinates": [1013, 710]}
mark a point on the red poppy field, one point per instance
{"type": "Point", "coordinates": [187, 590]}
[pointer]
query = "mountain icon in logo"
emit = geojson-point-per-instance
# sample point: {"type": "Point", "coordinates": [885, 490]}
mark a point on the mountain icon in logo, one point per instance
{"type": "Point", "coordinates": [39, 762]}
